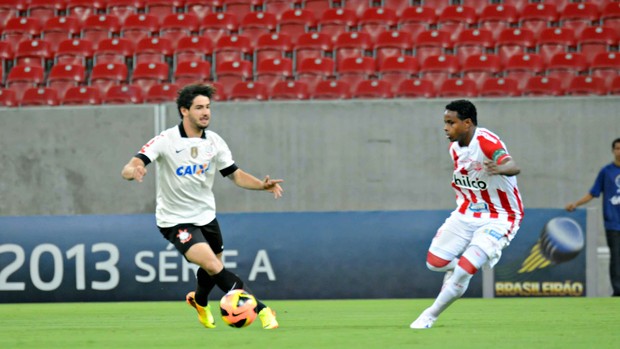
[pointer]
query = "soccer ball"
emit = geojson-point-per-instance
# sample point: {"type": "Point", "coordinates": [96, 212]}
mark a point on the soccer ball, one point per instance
{"type": "Point", "coordinates": [238, 308]}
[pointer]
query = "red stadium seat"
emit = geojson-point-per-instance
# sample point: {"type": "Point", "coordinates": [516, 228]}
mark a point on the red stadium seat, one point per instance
{"type": "Point", "coordinates": [332, 89]}
{"type": "Point", "coordinates": [287, 90]}
{"type": "Point", "coordinates": [606, 65]}
{"type": "Point", "coordinates": [439, 68]}
{"type": "Point", "coordinates": [248, 91]}
{"type": "Point", "coordinates": [64, 76]}
{"type": "Point", "coordinates": [8, 98]}
{"type": "Point", "coordinates": [23, 77]}
{"type": "Point", "coordinates": [565, 66]}
{"type": "Point", "coordinates": [397, 5]}
{"type": "Point", "coordinates": [578, 16]}
{"type": "Point", "coordinates": [312, 45]}
{"type": "Point", "coordinates": [255, 24]}
{"type": "Point", "coordinates": [271, 71]}
{"type": "Point", "coordinates": [586, 85]}
{"type": "Point", "coordinates": [190, 72]}
{"type": "Point", "coordinates": [82, 9]}
{"type": "Point", "coordinates": [513, 41]}
{"type": "Point", "coordinates": [523, 66]}
{"type": "Point", "coordinates": [415, 88]}
{"type": "Point", "coordinates": [376, 20]}
{"type": "Point", "coordinates": [438, 5]}
{"type": "Point", "coordinates": [162, 8]}
{"type": "Point", "coordinates": [595, 40]}
{"type": "Point", "coordinates": [8, 9]}
{"type": "Point", "coordinates": [538, 16]}
{"type": "Point", "coordinates": [153, 50]}
{"type": "Point", "coordinates": [335, 21]}
{"type": "Point", "coordinates": [220, 93]}
{"type": "Point", "coordinates": [146, 75]}
{"type": "Point", "coordinates": [229, 73]}
{"type": "Point", "coordinates": [18, 29]}
{"type": "Point", "coordinates": [114, 50]}
{"type": "Point", "coordinates": [57, 29]}
{"type": "Point", "coordinates": [33, 52]}
{"type": "Point", "coordinates": [239, 8]}
{"type": "Point", "coordinates": [397, 69]}
{"type": "Point", "coordinates": [162, 93]}
{"type": "Point", "coordinates": [500, 87]}
{"type": "Point", "coordinates": [99, 27]}
{"type": "Point", "coordinates": [357, 6]}
{"type": "Point", "coordinates": [233, 47]}
{"type": "Point", "coordinates": [40, 96]}
{"type": "Point", "coordinates": [415, 20]}
{"type": "Point", "coordinates": [139, 26]}
{"type": "Point", "coordinates": [543, 86]}
{"type": "Point", "coordinates": [552, 41]}
{"type": "Point", "coordinates": [6, 56]}
{"type": "Point", "coordinates": [216, 25]}
{"type": "Point", "coordinates": [312, 70]}
{"type": "Point", "coordinates": [610, 16]}
{"type": "Point", "coordinates": [481, 67]}
{"type": "Point", "coordinates": [123, 94]}
{"type": "Point", "coordinates": [74, 51]}
{"type": "Point", "coordinates": [104, 75]}
{"type": "Point", "coordinates": [179, 25]}
{"type": "Point", "coordinates": [477, 5]}
{"type": "Point", "coordinates": [392, 44]}
{"type": "Point", "coordinates": [352, 70]}
{"type": "Point", "coordinates": [471, 42]}
{"type": "Point", "coordinates": [316, 6]}
{"type": "Point", "coordinates": [278, 7]}
{"type": "Point", "coordinates": [296, 22]}
{"type": "Point", "coordinates": [373, 89]}
{"type": "Point", "coordinates": [431, 43]}
{"type": "Point", "coordinates": [201, 8]}
{"type": "Point", "coordinates": [82, 95]}
{"type": "Point", "coordinates": [454, 19]}
{"type": "Point", "coordinates": [193, 48]}
{"type": "Point", "coordinates": [497, 17]}
{"type": "Point", "coordinates": [43, 10]}
{"type": "Point", "coordinates": [457, 87]}
{"type": "Point", "coordinates": [273, 45]}
{"type": "Point", "coordinates": [614, 89]}
{"type": "Point", "coordinates": [123, 8]}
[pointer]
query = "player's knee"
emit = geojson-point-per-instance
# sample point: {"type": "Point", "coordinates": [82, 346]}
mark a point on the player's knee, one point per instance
{"type": "Point", "coordinates": [436, 263]}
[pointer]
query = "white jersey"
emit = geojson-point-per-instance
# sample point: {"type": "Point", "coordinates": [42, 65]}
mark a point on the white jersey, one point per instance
{"type": "Point", "coordinates": [186, 171]}
{"type": "Point", "coordinates": [479, 194]}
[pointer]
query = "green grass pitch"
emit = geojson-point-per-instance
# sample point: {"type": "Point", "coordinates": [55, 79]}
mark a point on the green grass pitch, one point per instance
{"type": "Point", "coordinates": [384, 324]}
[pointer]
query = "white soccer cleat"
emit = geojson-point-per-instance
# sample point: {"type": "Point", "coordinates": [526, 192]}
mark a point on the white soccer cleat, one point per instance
{"type": "Point", "coordinates": [423, 322]}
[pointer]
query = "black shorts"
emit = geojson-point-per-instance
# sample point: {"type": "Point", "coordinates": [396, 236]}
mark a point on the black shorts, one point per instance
{"type": "Point", "coordinates": [184, 236]}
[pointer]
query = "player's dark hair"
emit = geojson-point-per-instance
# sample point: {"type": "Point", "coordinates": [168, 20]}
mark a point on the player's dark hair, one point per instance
{"type": "Point", "coordinates": [464, 110]}
{"type": "Point", "coordinates": [613, 144]}
{"type": "Point", "coordinates": [189, 92]}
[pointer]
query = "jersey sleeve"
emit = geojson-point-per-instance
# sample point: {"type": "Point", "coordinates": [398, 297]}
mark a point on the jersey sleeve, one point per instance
{"type": "Point", "coordinates": [493, 148]}
{"type": "Point", "coordinates": [223, 159]}
{"type": "Point", "coordinates": [153, 148]}
{"type": "Point", "coordinates": [597, 187]}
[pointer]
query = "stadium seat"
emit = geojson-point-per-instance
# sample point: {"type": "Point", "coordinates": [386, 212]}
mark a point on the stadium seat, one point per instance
{"type": "Point", "coordinates": [455, 18]}
{"type": "Point", "coordinates": [542, 86]}
{"type": "Point", "coordinates": [8, 98]}
{"type": "Point", "coordinates": [586, 85]}
{"type": "Point", "coordinates": [312, 70]}
{"type": "Point", "coordinates": [145, 75]}
{"type": "Point", "coordinates": [552, 41]}
{"type": "Point", "coordinates": [114, 50]}
{"type": "Point", "coordinates": [33, 52]}
{"type": "Point", "coordinates": [438, 5]}
{"type": "Point", "coordinates": [376, 20]}
{"type": "Point", "coordinates": [193, 48]}
{"type": "Point", "coordinates": [565, 66]}
{"type": "Point", "coordinates": [57, 29]}
{"type": "Point", "coordinates": [521, 67]}
{"type": "Point", "coordinates": [278, 7]}
{"type": "Point", "coordinates": [123, 8]}
{"type": "Point", "coordinates": [397, 6]}
{"type": "Point", "coordinates": [559, 4]}
{"type": "Point", "coordinates": [220, 94]}
{"type": "Point", "coordinates": [578, 16]}
{"type": "Point", "coordinates": [233, 47]}
{"type": "Point", "coordinates": [497, 17]}
{"type": "Point", "coordinates": [123, 94]}
{"type": "Point", "coordinates": [255, 24]}
{"type": "Point", "coordinates": [396, 69]}
{"type": "Point", "coordinates": [458, 88]}
{"type": "Point", "coordinates": [18, 29]}
{"type": "Point", "coordinates": [201, 8]}
{"type": "Point", "coordinates": [332, 89]}
{"type": "Point", "coordinates": [417, 19]}
{"type": "Point", "coordinates": [249, 91]}
{"type": "Point", "coordinates": [43, 10]}
{"type": "Point", "coordinates": [99, 27]}
{"type": "Point", "coordinates": [216, 25]}
{"type": "Point", "coordinates": [318, 7]}
{"type": "Point", "coordinates": [610, 16]}
{"type": "Point", "coordinates": [239, 8]}
{"type": "Point", "coordinates": [273, 45]}
{"type": "Point", "coordinates": [39, 96]}
{"type": "Point", "coordinates": [357, 6]}
{"type": "Point", "coordinates": [271, 71]}
{"type": "Point", "coordinates": [6, 59]}
{"type": "Point", "coordinates": [606, 65]}
{"type": "Point", "coordinates": [471, 42]}
{"type": "Point", "coordinates": [439, 68]}
{"type": "Point", "coordinates": [179, 25]}
{"type": "Point", "coordinates": [392, 44]}
{"type": "Point", "coordinates": [614, 89]}
{"type": "Point", "coordinates": [513, 41]}
{"type": "Point", "coordinates": [430, 43]}
{"type": "Point", "coordinates": [538, 16]}
{"type": "Point", "coordinates": [500, 87]}
{"type": "Point", "coordinates": [162, 8]}
{"type": "Point", "coordinates": [82, 9]}
{"type": "Point", "coordinates": [104, 75]}
{"type": "Point", "coordinates": [82, 95]}
{"type": "Point", "coordinates": [64, 76]}
{"type": "Point", "coordinates": [296, 22]}
{"type": "Point", "coordinates": [189, 72]}
{"type": "Point", "coordinates": [153, 50]}
{"type": "Point", "coordinates": [596, 40]}
{"type": "Point", "coordinates": [352, 70]}
{"type": "Point", "coordinates": [477, 5]}
{"type": "Point", "coordinates": [290, 90]}
{"type": "Point", "coordinates": [228, 73]}
{"type": "Point", "coordinates": [74, 51]}
{"type": "Point", "coordinates": [415, 88]}
{"type": "Point", "coordinates": [8, 9]}
{"type": "Point", "coordinates": [481, 67]}
{"type": "Point", "coordinates": [312, 45]}
{"type": "Point", "coordinates": [372, 89]}
{"type": "Point", "coordinates": [138, 26]}
{"type": "Point", "coordinates": [162, 93]}
{"type": "Point", "coordinates": [23, 77]}
{"type": "Point", "coordinates": [335, 21]}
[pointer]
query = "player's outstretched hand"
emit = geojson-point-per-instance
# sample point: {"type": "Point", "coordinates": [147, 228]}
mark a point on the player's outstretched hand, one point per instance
{"type": "Point", "coordinates": [273, 186]}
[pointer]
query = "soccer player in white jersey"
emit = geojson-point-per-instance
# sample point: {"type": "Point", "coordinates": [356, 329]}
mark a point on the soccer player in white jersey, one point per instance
{"type": "Point", "coordinates": [488, 208]}
{"type": "Point", "coordinates": [187, 158]}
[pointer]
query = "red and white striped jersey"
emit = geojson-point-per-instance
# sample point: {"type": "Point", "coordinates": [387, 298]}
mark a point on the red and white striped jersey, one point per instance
{"type": "Point", "coordinates": [479, 194]}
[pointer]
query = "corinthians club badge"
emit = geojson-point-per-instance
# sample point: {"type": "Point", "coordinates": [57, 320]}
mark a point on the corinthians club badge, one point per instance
{"type": "Point", "coordinates": [194, 152]}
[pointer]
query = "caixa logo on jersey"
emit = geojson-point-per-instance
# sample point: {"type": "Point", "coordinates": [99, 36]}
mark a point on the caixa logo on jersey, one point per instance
{"type": "Point", "coordinates": [194, 169]}
{"type": "Point", "coordinates": [466, 182]}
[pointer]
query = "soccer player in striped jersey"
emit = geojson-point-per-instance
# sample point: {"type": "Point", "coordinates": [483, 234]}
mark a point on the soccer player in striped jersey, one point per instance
{"type": "Point", "coordinates": [187, 158]}
{"type": "Point", "coordinates": [488, 210]}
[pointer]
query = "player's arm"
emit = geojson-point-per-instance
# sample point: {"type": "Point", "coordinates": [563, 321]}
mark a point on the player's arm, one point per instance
{"type": "Point", "coordinates": [584, 200]}
{"type": "Point", "coordinates": [248, 181]}
{"type": "Point", "coordinates": [507, 167]}
{"type": "Point", "coordinates": [134, 169]}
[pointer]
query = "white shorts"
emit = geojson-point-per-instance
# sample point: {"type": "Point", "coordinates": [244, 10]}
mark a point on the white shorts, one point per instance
{"type": "Point", "coordinates": [459, 232]}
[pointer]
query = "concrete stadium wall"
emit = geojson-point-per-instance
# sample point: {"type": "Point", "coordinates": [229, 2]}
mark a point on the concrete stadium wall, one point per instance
{"type": "Point", "coordinates": [333, 155]}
